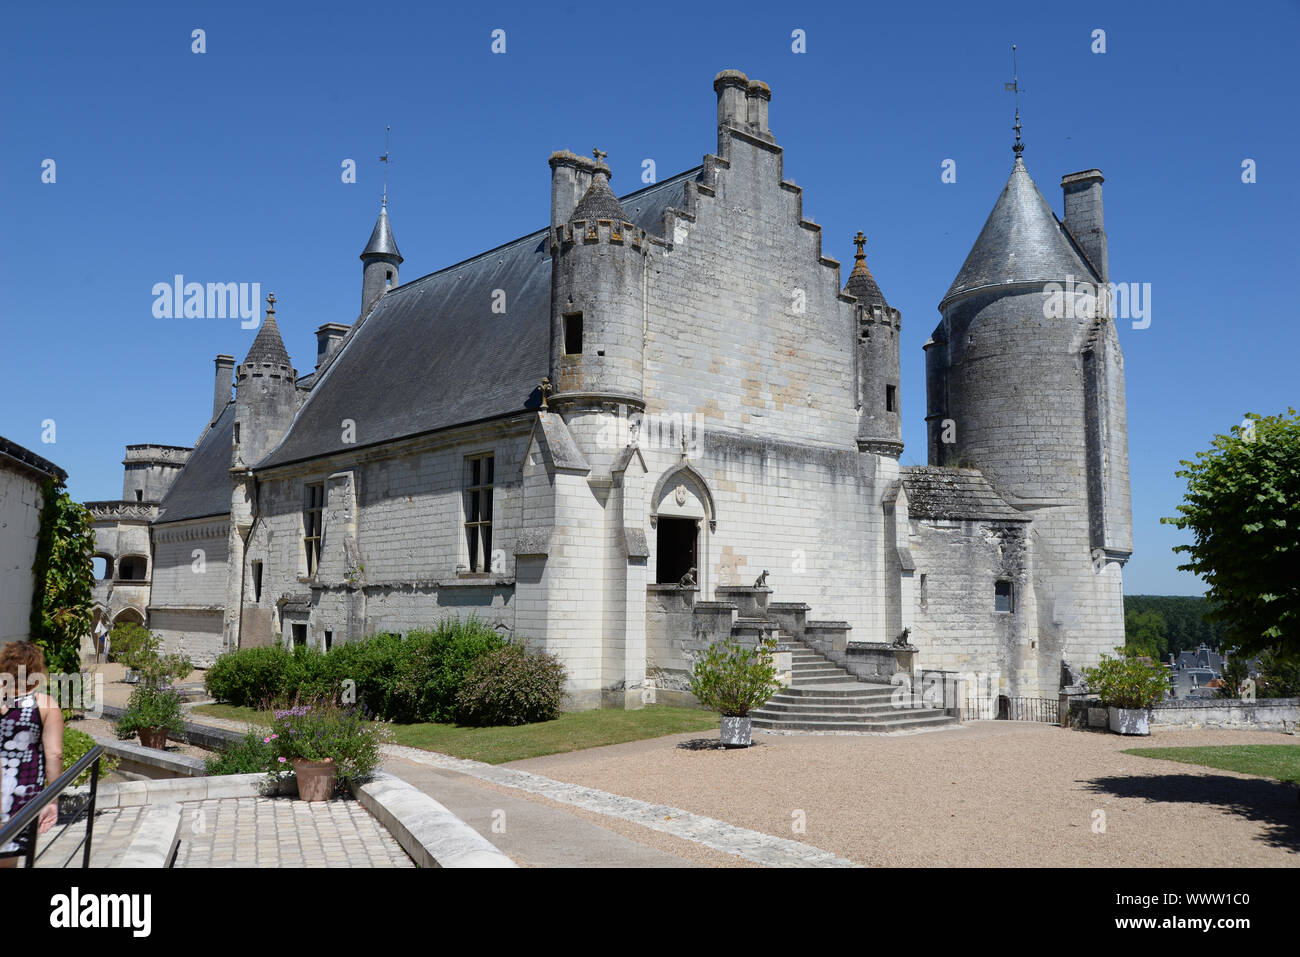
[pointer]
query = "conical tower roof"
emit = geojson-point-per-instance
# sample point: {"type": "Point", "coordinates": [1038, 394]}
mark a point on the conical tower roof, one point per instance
{"type": "Point", "coordinates": [382, 242]}
{"type": "Point", "coordinates": [1021, 241]}
{"type": "Point", "coordinates": [861, 283]}
{"type": "Point", "coordinates": [599, 202]}
{"type": "Point", "coordinates": [267, 345]}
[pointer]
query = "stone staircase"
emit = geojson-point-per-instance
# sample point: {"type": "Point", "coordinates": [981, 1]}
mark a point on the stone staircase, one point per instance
{"type": "Point", "coordinates": [825, 697]}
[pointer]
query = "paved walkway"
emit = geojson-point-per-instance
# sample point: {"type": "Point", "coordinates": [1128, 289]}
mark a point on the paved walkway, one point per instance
{"type": "Point", "coordinates": [239, 832]}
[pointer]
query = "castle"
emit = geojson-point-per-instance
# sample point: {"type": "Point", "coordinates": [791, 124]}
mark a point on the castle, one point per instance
{"type": "Point", "coordinates": [624, 435]}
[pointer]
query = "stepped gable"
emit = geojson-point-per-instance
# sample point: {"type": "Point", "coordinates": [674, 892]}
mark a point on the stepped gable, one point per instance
{"type": "Point", "coordinates": [431, 354]}
{"type": "Point", "coordinates": [203, 487]}
{"type": "Point", "coordinates": [939, 492]}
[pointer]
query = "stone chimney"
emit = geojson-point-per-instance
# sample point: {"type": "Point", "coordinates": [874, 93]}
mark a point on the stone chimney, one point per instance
{"type": "Point", "coordinates": [328, 338]}
{"type": "Point", "coordinates": [757, 95]}
{"type": "Point", "coordinates": [570, 178]}
{"type": "Point", "coordinates": [225, 378]}
{"type": "Point", "coordinates": [732, 88]}
{"type": "Point", "coordinates": [1083, 217]}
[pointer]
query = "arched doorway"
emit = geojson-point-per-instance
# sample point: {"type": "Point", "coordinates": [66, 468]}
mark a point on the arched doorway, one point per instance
{"type": "Point", "coordinates": [681, 513]}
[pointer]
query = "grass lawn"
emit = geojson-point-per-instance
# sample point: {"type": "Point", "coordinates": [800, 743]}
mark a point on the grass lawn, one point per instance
{"type": "Point", "coordinates": [1280, 761]}
{"type": "Point", "coordinates": [571, 731]}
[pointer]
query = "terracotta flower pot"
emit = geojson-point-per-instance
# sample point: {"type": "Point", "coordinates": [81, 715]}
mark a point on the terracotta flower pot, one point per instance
{"type": "Point", "coordinates": [153, 738]}
{"type": "Point", "coordinates": [315, 779]}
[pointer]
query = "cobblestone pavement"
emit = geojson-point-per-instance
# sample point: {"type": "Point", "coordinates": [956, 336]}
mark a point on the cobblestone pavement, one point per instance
{"type": "Point", "coordinates": [240, 832]}
{"type": "Point", "coordinates": [284, 832]}
{"type": "Point", "coordinates": [63, 846]}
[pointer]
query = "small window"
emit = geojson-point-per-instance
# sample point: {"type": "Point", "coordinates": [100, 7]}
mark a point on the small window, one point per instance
{"type": "Point", "coordinates": [314, 502]}
{"type": "Point", "coordinates": [388, 280]}
{"type": "Point", "coordinates": [573, 334]}
{"type": "Point", "coordinates": [139, 495]}
{"type": "Point", "coordinates": [257, 581]}
{"type": "Point", "coordinates": [329, 640]}
{"type": "Point", "coordinates": [236, 433]}
{"type": "Point", "coordinates": [1003, 597]}
{"type": "Point", "coordinates": [132, 568]}
{"type": "Point", "coordinates": [299, 635]}
{"type": "Point", "coordinates": [890, 397]}
{"type": "Point", "coordinates": [922, 591]}
{"type": "Point", "coordinates": [478, 511]}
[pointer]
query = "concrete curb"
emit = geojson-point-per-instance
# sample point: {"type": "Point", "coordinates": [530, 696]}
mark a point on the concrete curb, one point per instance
{"type": "Point", "coordinates": [174, 790]}
{"type": "Point", "coordinates": [156, 837]}
{"type": "Point", "coordinates": [151, 758]}
{"type": "Point", "coordinates": [427, 831]}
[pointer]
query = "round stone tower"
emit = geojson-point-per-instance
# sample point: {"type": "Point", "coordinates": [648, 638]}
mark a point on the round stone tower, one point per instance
{"type": "Point", "coordinates": [380, 260]}
{"type": "Point", "coordinates": [1025, 383]}
{"type": "Point", "coordinates": [879, 327]}
{"type": "Point", "coordinates": [265, 394]}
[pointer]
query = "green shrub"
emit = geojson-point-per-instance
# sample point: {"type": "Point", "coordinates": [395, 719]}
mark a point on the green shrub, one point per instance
{"type": "Point", "coordinates": [150, 707]}
{"type": "Point", "coordinates": [387, 676]}
{"type": "Point", "coordinates": [249, 676]}
{"type": "Point", "coordinates": [1127, 681]}
{"type": "Point", "coordinates": [511, 686]}
{"type": "Point", "coordinates": [131, 644]}
{"type": "Point", "coordinates": [254, 753]}
{"type": "Point", "coordinates": [76, 745]}
{"type": "Point", "coordinates": [734, 680]}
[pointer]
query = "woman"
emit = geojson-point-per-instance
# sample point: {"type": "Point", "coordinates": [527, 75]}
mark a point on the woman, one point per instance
{"type": "Point", "coordinates": [31, 741]}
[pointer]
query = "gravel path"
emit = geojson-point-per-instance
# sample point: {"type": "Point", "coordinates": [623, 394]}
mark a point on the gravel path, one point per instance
{"type": "Point", "coordinates": [990, 794]}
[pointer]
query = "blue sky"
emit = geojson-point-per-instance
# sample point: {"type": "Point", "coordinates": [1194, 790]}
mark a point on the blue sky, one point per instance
{"type": "Point", "coordinates": [225, 166]}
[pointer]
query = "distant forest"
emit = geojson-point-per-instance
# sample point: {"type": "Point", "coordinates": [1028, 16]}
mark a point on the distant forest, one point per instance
{"type": "Point", "coordinates": [1161, 625]}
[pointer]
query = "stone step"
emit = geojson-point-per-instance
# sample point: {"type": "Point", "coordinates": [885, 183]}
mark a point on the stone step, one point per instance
{"type": "Point", "coordinates": [908, 722]}
{"type": "Point", "coordinates": [819, 679]}
{"type": "Point", "coordinates": [792, 707]}
{"type": "Point", "coordinates": [822, 669]}
{"type": "Point", "coordinates": [844, 689]}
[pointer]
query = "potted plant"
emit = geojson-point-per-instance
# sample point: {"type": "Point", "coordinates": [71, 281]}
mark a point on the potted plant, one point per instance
{"type": "Point", "coordinates": [326, 745]}
{"type": "Point", "coordinates": [1129, 686]}
{"type": "Point", "coordinates": [734, 680]}
{"type": "Point", "coordinates": [152, 713]}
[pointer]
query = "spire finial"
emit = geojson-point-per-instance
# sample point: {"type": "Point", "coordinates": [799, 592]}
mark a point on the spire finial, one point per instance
{"type": "Point", "coordinates": [1014, 87]}
{"type": "Point", "coordinates": [270, 306]}
{"type": "Point", "coordinates": [860, 241]}
{"type": "Point", "coordinates": [384, 159]}
{"type": "Point", "coordinates": [599, 154]}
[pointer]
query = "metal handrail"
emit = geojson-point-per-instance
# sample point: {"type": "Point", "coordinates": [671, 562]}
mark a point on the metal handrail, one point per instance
{"type": "Point", "coordinates": [27, 817]}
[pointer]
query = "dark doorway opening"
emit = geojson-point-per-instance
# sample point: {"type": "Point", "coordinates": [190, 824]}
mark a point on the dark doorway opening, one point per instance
{"type": "Point", "coordinates": [676, 554]}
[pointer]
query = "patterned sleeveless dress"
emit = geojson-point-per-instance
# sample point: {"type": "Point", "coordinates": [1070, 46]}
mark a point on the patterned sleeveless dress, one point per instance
{"type": "Point", "coordinates": [22, 764]}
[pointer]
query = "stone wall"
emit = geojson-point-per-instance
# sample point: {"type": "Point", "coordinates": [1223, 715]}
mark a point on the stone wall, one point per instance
{"type": "Point", "coordinates": [1263, 714]}
{"type": "Point", "coordinates": [187, 589]}
{"type": "Point", "coordinates": [20, 523]}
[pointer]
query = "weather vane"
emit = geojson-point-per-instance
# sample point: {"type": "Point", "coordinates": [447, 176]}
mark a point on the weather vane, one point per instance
{"type": "Point", "coordinates": [384, 159]}
{"type": "Point", "coordinates": [1014, 87]}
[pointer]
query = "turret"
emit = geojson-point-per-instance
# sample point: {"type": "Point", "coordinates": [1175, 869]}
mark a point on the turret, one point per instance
{"type": "Point", "coordinates": [265, 394]}
{"type": "Point", "coordinates": [380, 260]}
{"type": "Point", "coordinates": [597, 288]}
{"type": "Point", "coordinates": [879, 328]}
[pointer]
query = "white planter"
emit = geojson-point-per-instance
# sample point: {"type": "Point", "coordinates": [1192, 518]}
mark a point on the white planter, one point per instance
{"type": "Point", "coordinates": [1130, 720]}
{"type": "Point", "coordinates": [736, 732]}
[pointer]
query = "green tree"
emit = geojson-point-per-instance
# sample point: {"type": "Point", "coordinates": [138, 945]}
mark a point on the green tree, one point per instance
{"type": "Point", "coordinates": [64, 576]}
{"type": "Point", "coordinates": [1243, 509]}
{"type": "Point", "coordinates": [1146, 633]}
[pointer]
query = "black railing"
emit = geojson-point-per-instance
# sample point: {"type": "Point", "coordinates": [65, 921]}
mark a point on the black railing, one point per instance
{"type": "Point", "coordinates": [1006, 708]}
{"type": "Point", "coordinates": [29, 816]}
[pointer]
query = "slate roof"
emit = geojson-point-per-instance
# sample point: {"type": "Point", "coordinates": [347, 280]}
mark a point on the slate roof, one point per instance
{"type": "Point", "coordinates": [432, 354]}
{"type": "Point", "coordinates": [382, 242]}
{"type": "Point", "coordinates": [936, 492]}
{"type": "Point", "coordinates": [203, 487]}
{"type": "Point", "coordinates": [599, 202]}
{"type": "Point", "coordinates": [1022, 241]}
{"type": "Point", "coordinates": [863, 285]}
{"type": "Point", "coordinates": [267, 345]}
{"type": "Point", "coordinates": [16, 453]}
